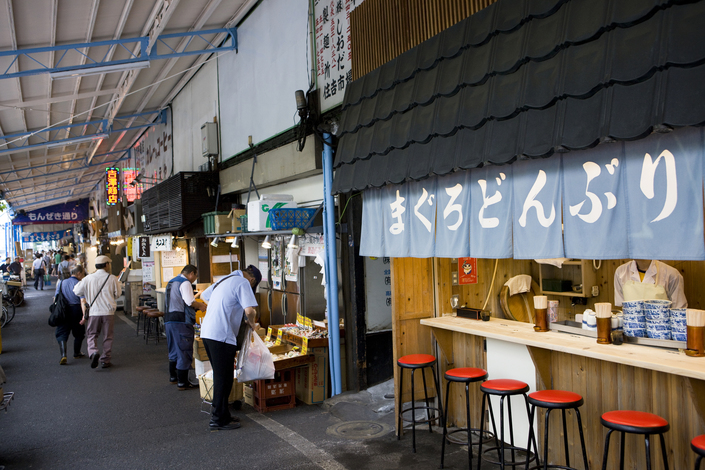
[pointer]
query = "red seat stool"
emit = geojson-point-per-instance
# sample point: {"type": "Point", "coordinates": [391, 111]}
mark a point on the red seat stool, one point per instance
{"type": "Point", "coordinates": [556, 400]}
{"type": "Point", "coordinates": [635, 422]}
{"type": "Point", "coordinates": [503, 388]}
{"type": "Point", "coordinates": [698, 445]}
{"type": "Point", "coordinates": [465, 375]}
{"type": "Point", "coordinates": [153, 317]}
{"type": "Point", "coordinates": [413, 362]}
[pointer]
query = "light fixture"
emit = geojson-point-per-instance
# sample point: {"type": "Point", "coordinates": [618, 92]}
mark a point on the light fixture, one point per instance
{"type": "Point", "coordinates": [99, 69]}
{"type": "Point", "coordinates": [178, 248]}
{"type": "Point", "coordinates": [266, 244]}
{"type": "Point", "coordinates": [215, 241]}
{"type": "Point", "coordinates": [292, 242]}
{"type": "Point", "coordinates": [234, 243]}
{"type": "Point", "coordinates": [77, 140]}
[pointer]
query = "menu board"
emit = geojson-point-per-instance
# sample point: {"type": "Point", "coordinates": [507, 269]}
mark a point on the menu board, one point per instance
{"type": "Point", "coordinates": [174, 258]}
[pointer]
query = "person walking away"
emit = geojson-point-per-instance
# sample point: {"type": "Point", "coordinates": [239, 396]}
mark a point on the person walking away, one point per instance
{"type": "Point", "coordinates": [230, 302]}
{"type": "Point", "coordinates": [100, 291]}
{"type": "Point", "coordinates": [47, 262]}
{"type": "Point", "coordinates": [57, 261]}
{"type": "Point", "coordinates": [179, 319]}
{"type": "Point", "coordinates": [73, 316]}
{"type": "Point", "coordinates": [65, 268]}
{"type": "Point", "coordinates": [38, 267]}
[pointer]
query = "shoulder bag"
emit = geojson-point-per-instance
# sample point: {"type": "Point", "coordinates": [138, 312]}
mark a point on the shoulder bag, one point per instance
{"type": "Point", "coordinates": [58, 309]}
{"type": "Point", "coordinates": [88, 307]}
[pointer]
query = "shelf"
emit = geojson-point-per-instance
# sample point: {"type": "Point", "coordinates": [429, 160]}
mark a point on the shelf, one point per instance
{"type": "Point", "coordinates": [579, 272]}
{"type": "Point", "coordinates": [564, 294]}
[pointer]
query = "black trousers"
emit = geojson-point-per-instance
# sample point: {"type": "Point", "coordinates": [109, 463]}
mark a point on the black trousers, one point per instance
{"type": "Point", "coordinates": [73, 326]}
{"type": "Point", "coordinates": [222, 357]}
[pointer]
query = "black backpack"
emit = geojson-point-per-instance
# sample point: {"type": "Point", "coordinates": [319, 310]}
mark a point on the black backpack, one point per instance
{"type": "Point", "coordinates": [59, 309]}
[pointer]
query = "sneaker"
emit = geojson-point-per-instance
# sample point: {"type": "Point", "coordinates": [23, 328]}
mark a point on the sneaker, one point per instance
{"type": "Point", "coordinates": [95, 357]}
{"type": "Point", "coordinates": [63, 361]}
{"type": "Point", "coordinates": [79, 355]}
{"type": "Point", "coordinates": [104, 365]}
{"type": "Point", "coordinates": [187, 386]}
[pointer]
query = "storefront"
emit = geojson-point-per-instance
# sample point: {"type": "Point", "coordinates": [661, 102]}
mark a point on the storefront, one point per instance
{"type": "Point", "coordinates": [560, 130]}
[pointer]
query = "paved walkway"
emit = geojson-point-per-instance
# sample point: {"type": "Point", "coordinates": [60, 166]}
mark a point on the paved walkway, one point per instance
{"type": "Point", "coordinates": [130, 416]}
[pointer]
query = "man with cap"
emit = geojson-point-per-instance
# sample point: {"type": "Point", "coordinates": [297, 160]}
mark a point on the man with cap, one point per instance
{"type": "Point", "coordinates": [179, 319]}
{"type": "Point", "coordinates": [100, 291]}
{"type": "Point", "coordinates": [230, 303]}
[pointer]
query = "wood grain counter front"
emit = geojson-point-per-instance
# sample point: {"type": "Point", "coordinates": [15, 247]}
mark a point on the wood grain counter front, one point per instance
{"type": "Point", "coordinates": [609, 377]}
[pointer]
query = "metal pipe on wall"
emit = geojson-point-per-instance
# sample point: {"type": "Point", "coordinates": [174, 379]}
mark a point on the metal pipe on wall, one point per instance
{"type": "Point", "coordinates": [331, 267]}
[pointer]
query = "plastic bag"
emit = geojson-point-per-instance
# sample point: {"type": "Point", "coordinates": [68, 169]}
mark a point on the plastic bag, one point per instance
{"type": "Point", "coordinates": [254, 361]}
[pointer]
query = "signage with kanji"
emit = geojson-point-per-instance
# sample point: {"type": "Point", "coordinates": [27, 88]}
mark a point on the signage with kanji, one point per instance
{"type": "Point", "coordinates": [132, 191]}
{"type": "Point", "coordinates": [467, 271]}
{"type": "Point", "coordinates": [112, 185]}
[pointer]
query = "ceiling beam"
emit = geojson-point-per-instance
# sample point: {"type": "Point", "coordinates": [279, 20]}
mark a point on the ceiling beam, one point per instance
{"type": "Point", "coordinates": [55, 99]}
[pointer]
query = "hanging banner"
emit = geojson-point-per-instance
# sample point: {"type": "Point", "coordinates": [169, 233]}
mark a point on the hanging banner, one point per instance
{"type": "Point", "coordinates": [372, 231]}
{"type": "Point", "coordinates": [537, 205]}
{"type": "Point", "coordinates": [132, 191]}
{"type": "Point", "coordinates": [467, 271]}
{"type": "Point", "coordinates": [68, 213]}
{"type": "Point", "coordinates": [112, 186]}
{"type": "Point", "coordinates": [144, 248]}
{"type": "Point", "coordinates": [594, 213]}
{"type": "Point", "coordinates": [160, 243]}
{"type": "Point", "coordinates": [32, 237]}
{"type": "Point", "coordinates": [453, 213]}
{"type": "Point", "coordinates": [491, 212]}
{"type": "Point", "coordinates": [665, 195]}
{"type": "Point", "coordinates": [153, 151]}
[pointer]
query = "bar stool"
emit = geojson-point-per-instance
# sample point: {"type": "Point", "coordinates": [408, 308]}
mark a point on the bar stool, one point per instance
{"type": "Point", "coordinates": [141, 316]}
{"type": "Point", "coordinates": [635, 422]}
{"type": "Point", "coordinates": [556, 400]}
{"type": "Point", "coordinates": [413, 362]}
{"type": "Point", "coordinates": [504, 388]}
{"type": "Point", "coordinates": [698, 445]}
{"type": "Point", "coordinates": [466, 375]}
{"type": "Point", "coordinates": [153, 317]}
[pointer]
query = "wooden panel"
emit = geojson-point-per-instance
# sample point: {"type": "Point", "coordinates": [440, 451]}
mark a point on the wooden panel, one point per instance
{"type": "Point", "coordinates": [383, 29]}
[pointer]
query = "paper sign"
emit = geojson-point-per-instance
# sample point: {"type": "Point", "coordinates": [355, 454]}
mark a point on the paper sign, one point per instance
{"type": "Point", "coordinates": [304, 346]}
{"type": "Point", "coordinates": [174, 258]}
{"type": "Point", "coordinates": [167, 274]}
{"type": "Point", "coordinates": [278, 342]}
{"type": "Point", "coordinates": [467, 271]}
{"type": "Point", "coordinates": [269, 334]}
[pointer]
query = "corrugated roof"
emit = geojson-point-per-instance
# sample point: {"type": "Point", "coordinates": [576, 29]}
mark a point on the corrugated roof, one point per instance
{"type": "Point", "coordinates": [523, 78]}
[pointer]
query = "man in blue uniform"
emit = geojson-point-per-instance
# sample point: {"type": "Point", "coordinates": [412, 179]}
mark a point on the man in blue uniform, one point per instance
{"type": "Point", "coordinates": [179, 319]}
{"type": "Point", "coordinates": [230, 302]}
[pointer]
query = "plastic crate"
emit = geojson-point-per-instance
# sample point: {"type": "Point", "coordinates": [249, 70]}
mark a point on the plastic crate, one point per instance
{"type": "Point", "coordinates": [286, 219]}
{"type": "Point", "coordinates": [274, 394]}
{"type": "Point", "coordinates": [215, 222]}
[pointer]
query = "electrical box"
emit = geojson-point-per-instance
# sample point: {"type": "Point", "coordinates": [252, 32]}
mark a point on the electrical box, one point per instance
{"type": "Point", "coordinates": [209, 139]}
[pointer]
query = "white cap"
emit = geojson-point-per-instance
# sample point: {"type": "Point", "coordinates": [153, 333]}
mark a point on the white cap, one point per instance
{"type": "Point", "coordinates": [102, 259]}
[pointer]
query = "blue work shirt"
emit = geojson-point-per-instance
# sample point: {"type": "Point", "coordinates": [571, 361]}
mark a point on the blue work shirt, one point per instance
{"type": "Point", "coordinates": [226, 308]}
{"type": "Point", "coordinates": [67, 286]}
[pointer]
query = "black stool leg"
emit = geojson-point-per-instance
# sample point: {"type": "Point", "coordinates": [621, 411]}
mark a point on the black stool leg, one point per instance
{"type": "Point", "coordinates": [697, 462]}
{"type": "Point", "coordinates": [532, 410]}
{"type": "Point", "coordinates": [582, 439]}
{"type": "Point", "coordinates": [565, 441]}
{"type": "Point", "coordinates": [663, 452]}
{"type": "Point", "coordinates": [137, 330]}
{"type": "Point", "coordinates": [607, 449]}
{"type": "Point", "coordinates": [482, 429]}
{"type": "Point", "coordinates": [425, 394]}
{"type": "Point", "coordinates": [511, 427]}
{"type": "Point", "coordinates": [494, 425]}
{"type": "Point", "coordinates": [545, 442]}
{"type": "Point", "coordinates": [647, 443]}
{"type": "Point", "coordinates": [467, 418]}
{"type": "Point", "coordinates": [445, 425]}
{"type": "Point", "coordinates": [532, 436]}
{"type": "Point", "coordinates": [621, 451]}
{"type": "Point", "coordinates": [401, 388]}
{"type": "Point", "coordinates": [438, 394]}
{"type": "Point", "coordinates": [413, 413]}
{"type": "Point", "coordinates": [501, 432]}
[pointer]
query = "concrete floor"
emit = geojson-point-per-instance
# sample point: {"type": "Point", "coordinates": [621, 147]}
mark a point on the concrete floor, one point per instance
{"type": "Point", "coordinates": [130, 416]}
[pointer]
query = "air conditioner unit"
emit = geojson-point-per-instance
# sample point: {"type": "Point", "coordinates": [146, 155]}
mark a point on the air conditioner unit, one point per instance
{"type": "Point", "coordinates": [209, 139]}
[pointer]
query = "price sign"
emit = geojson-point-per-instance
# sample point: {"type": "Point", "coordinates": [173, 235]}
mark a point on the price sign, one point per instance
{"type": "Point", "coordinates": [278, 342]}
{"type": "Point", "coordinates": [308, 323]}
{"type": "Point", "coordinates": [304, 346]}
{"type": "Point", "coordinates": [269, 334]}
{"type": "Point", "coordinates": [299, 320]}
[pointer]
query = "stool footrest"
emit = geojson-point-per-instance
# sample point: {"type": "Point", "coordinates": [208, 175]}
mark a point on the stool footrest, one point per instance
{"type": "Point", "coordinates": [475, 433]}
{"type": "Point", "coordinates": [421, 421]}
{"type": "Point", "coordinates": [513, 463]}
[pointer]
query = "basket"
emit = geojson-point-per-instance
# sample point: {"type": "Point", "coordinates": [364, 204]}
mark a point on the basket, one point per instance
{"type": "Point", "coordinates": [286, 219]}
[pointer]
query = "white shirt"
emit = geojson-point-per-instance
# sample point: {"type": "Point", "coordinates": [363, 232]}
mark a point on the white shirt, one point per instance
{"type": "Point", "coordinates": [226, 308]}
{"type": "Point", "coordinates": [38, 263]}
{"type": "Point", "coordinates": [105, 303]}
{"type": "Point", "coordinates": [658, 273]}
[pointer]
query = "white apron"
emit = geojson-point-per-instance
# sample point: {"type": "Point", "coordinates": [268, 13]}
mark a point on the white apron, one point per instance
{"type": "Point", "coordinates": [633, 290]}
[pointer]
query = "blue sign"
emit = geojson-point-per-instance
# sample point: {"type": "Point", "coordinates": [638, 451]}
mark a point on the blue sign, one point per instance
{"type": "Point", "coordinates": [45, 236]}
{"type": "Point", "coordinates": [491, 212]}
{"type": "Point", "coordinates": [68, 213]}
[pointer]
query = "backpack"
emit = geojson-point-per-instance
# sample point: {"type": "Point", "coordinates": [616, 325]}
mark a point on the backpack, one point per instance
{"type": "Point", "coordinates": [64, 272]}
{"type": "Point", "coordinates": [59, 309]}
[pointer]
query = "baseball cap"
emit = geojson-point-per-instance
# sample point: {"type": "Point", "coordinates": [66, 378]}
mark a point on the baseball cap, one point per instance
{"type": "Point", "coordinates": [102, 259]}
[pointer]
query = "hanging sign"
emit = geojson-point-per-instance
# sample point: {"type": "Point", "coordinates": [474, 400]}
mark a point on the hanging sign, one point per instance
{"type": "Point", "coordinates": [144, 247]}
{"type": "Point", "coordinates": [161, 243]}
{"type": "Point", "coordinates": [68, 213]}
{"type": "Point", "coordinates": [467, 271]}
{"type": "Point", "coordinates": [44, 236]}
{"type": "Point", "coordinates": [112, 185]}
{"type": "Point", "coordinates": [131, 191]}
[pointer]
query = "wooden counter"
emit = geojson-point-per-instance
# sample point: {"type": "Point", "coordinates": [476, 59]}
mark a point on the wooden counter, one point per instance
{"type": "Point", "coordinates": [609, 377]}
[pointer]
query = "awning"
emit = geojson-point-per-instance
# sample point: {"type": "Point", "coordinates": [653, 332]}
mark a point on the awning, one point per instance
{"type": "Point", "coordinates": [524, 79]}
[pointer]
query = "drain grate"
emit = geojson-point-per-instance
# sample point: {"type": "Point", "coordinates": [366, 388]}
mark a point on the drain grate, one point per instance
{"type": "Point", "coordinates": [359, 430]}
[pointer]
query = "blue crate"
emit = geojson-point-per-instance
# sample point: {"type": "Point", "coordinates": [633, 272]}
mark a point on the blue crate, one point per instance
{"type": "Point", "coordinates": [286, 219]}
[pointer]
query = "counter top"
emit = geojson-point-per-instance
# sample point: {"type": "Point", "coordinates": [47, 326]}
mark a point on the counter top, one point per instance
{"type": "Point", "coordinates": [662, 360]}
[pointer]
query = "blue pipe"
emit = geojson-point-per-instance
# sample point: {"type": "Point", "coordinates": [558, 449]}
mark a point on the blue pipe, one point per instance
{"type": "Point", "coordinates": [331, 267]}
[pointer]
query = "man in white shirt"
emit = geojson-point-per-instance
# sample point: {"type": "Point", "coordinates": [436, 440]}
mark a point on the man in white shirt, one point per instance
{"type": "Point", "coordinates": [648, 280]}
{"type": "Point", "coordinates": [230, 302]}
{"type": "Point", "coordinates": [100, 291]}
{"type": "Point", "coordinates": [179, 318]}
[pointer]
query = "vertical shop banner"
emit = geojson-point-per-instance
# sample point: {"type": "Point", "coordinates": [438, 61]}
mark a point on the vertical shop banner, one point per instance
{"type": "Point", "coordinates": [333, 49]}
{"type": "Point", "coordinates": [665, 194]}
{"type": "Point", "coordinates": [491, 212]}
{"type": "Point", "coordinates": [537, 205]}
{"type": "Point", "coordinates": [422, 218]}
{"type": "Point", "coordinates": [467, 271]}
{"type": "Point", "coordinates": [131, 191]}
{"type": "Point", "coordinates": [453, 215]}
{"type": "Point", "coordinates": [144, 247]}
{"type": "Point", "coordinates": [112, 186]}
{"type": "Point", "coordinates": [595, 204]}
{"type": "Point", "coordinates": [372, 232]}
{"type": "Point", "coordinates": [397, 220]}
{"type": "Point", "coordinates": [153, 151]}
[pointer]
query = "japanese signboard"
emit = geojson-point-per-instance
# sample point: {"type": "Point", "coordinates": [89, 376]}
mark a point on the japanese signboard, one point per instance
{"type": "Point", "coordinates": [44, 236]}
{"type": "Point", "coordinates": [640, 199]}
{"type": "Point", "coordinates": [68, 213]}
{"type": "Point", "coordinates": [112, 186]}
{"type": "Point", "coordinates": [467, 271]}
{"type": "Point", "coordinates": [153, 151]}
{"type": "Point", "coordinates": [333, 49]}
{"type": "Point", "coordinates": [161, 243]}
{"type": "Point", "coordinates": [144, 247]}
{"type": "Point", "coordinates": [132, 192]}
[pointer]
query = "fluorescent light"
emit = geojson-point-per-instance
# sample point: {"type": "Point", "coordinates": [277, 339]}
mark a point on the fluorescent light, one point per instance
{"type": "Point", "coordinates": [99, 69]}
{"type": "Point", "coordinates": [266, 244]}
{"type": "Point", "coordinates": [77, 140]}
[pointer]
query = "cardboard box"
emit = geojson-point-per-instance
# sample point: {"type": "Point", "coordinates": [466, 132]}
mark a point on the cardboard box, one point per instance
{"type": "Point", "coordinates": [199, 350]}
{"type": "Point", "coordinates": [249, 394]}
{"type": "Point", "coordinates": [258, 213]}
{"type": "Point", "coordinates": [311, 383]}
{"type": "Point", "coordinates": [205, 385]}
{"type": "Point", "coordinates": [235, 222]}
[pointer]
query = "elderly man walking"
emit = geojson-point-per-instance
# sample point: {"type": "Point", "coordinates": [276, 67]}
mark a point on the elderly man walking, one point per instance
{"type": "Point", "coordinates": [99, 291]}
